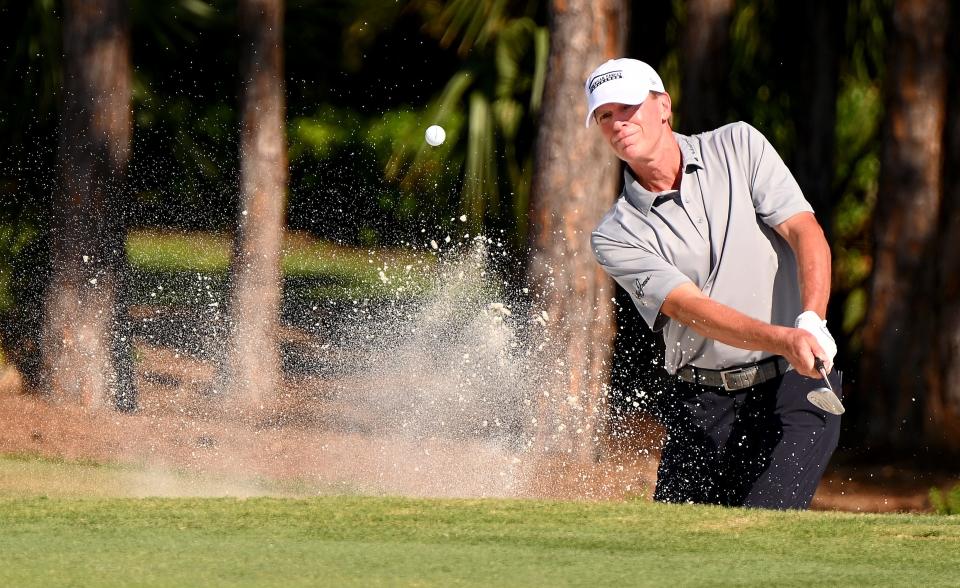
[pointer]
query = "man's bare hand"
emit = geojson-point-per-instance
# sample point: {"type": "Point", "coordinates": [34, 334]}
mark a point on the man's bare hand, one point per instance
{"type": "Point", "coordinates": [800, 348]}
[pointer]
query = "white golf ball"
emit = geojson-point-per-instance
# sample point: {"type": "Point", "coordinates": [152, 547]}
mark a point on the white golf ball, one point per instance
{"type": "Point", "coordinates": [435, 135]}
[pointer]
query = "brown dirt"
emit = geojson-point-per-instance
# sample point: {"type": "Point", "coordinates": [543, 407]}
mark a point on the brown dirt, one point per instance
{"type": "Point", "coordinates": [310, 441]}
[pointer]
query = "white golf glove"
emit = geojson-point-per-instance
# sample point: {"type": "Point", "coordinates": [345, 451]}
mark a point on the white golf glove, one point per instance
{"type": "Point", "coordinates": [810, 321]}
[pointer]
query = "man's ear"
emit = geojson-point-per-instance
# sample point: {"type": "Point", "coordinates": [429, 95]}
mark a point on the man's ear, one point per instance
{"type": "Point", "coordinates": [666, 106]}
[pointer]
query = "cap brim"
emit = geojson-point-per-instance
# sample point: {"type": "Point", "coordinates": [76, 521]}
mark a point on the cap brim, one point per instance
{"type": "Point", "coordinates": [589, 116]}
{"type": "Point", "coordinates": [624, 96]}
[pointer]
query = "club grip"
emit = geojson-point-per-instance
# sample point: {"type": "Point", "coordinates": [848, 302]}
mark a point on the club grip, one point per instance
{"type": "Point", "coordinates": [818, 363]}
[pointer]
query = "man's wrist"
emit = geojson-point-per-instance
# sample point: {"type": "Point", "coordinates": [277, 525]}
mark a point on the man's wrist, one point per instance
{"type": "Point", "coordinates": [808, 315]}
{"type": "Point", "coordinates": [811, 322]}
{"type": "Point", "coordinates": [780, 340]}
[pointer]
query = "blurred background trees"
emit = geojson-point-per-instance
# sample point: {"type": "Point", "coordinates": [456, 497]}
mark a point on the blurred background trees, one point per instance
{"type": "Point", "coordinates": [251, 368]}
{"type": "Point", "coordinates": [84, 347]}
{"type": "Point", "coordinates": [914, 278]}
{"type": "Point", "coordinates": [858, 97]}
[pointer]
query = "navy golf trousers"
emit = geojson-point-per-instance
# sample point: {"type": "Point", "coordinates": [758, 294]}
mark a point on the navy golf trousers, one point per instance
{"type": "Point", "coordinates": [764, 447]}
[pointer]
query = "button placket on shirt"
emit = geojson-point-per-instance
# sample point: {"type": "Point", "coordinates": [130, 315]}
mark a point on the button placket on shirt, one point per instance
{"type": "Point", "coordinates": [693, 206]}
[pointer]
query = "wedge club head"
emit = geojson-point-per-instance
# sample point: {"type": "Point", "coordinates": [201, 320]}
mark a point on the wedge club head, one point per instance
{"type": "Point", "coordinates": [824, 397]}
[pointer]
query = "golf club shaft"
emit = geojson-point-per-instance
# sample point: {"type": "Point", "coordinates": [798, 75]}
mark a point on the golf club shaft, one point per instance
{"type": "Point", "coordinates": [818, 363]}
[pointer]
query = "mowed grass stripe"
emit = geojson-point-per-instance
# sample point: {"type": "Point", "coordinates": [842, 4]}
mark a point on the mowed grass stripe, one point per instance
{"type": "Point", "coordinates": [302, 255]}
{"type": "Point", "coordinates": [391, 541]}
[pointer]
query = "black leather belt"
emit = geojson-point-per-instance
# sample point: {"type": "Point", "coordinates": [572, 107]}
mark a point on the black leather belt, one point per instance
{"type": "Point", "coordinates": [736, 378]}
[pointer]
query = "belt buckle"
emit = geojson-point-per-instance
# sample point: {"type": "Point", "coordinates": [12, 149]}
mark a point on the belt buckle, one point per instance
{"type": "Point", "coordinates": [739, 378]}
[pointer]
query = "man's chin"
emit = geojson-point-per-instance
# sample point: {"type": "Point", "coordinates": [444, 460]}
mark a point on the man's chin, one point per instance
{"type": "Point", "coordinates": [630, 154]}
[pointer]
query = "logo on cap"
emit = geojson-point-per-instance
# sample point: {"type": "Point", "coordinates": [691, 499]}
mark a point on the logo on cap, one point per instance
{"type": "Point", "coordinates": [604, 78]}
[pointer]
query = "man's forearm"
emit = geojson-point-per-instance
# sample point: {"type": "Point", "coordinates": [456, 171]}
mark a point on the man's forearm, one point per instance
{"type": "Point", "coordinates": [813, 260]}
{"type": "Point", "coordinates": [717, 321]}
{"type": "Point", "coordinates": [805, 237]}
{"type": "Point", "coordinates": [713, 320]}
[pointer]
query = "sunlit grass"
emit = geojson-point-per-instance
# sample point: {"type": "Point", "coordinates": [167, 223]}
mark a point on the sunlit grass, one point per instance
{"type": "Point", "coordinates": [25, 475]}
{"type": "Point", "coordinates": [320, 269]}
{"type": "Point", "coordinates": [178, 252]}
{"type": "Point", "coordinates": [337, 270]}
{"type": "Point", "coordinates": [208, 252]}
{"type": "Point", "coordinates": [90, 538]}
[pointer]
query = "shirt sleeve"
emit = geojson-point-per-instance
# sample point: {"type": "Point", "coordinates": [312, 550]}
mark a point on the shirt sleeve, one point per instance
{"type": "Point", "coordinates": [776, 194]}
{"type": "Point", "coordinates": [645, 275]}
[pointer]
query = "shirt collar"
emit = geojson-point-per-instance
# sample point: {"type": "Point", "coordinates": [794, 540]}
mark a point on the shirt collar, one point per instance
{"type": "Point", "coordinates": [643, 199]}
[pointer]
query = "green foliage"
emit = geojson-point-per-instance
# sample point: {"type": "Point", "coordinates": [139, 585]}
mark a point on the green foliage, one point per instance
{"type": "Point", "coordinates": [945, 502]}
{"type": "Point", "coordinates": [496, 94]}
{"type": "Point", "coordinates": [29, 104]}
{"type": "Point", "coordinates": [364, 21]}
{"type": "Point", "coordinates": [32, 48]}
{"type": "Point", "coordinates": [763, 88]}
{"type": "Point", "coordinates": [329, 129]}
{"type": "Point", "coordinates": [487, 104]}
{"type": "Point", "coordinates": [866, 36]}
{"type": "Point", "coordinates": [857, 170]}
{"type": "Point", "coordinates": [756, 96]}
{"type": "Point", "coordinates": [346, 166]}
{"type": "Point", "coordinates": [854, 307]}
{"type": "Point", "coordinates": [24, 270]}
{"type": "Point", "coordinates": [184, 162]}
{"type": "Point", "coordinates": [14, 237]}
{"type": "Point", "coordinates": [474, 23]}
{"type": "Point", "coordinates": [406, 159]}
{"type": "Point", "coordinates": [364, 79]}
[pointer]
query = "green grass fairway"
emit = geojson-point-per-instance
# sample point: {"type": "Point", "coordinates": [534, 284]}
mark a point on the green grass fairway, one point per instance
{"type": "Point", "coordinates": [357, 541]}
{"type": "Point", "coordinates": [342, 271]}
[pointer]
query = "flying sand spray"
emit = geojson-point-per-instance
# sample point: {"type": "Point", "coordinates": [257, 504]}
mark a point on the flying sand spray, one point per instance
{"type": "Point", "coordinates": [434, 385]}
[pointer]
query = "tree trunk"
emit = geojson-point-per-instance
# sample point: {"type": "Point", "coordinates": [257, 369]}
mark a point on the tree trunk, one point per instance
{"type": "Point", "coordinates": [705, 65]}
{"type": "Point", "coordinates": [85, 356]}
{"type": "Point", "coordinates": [900, 335]}
{"type": "Point", "coordinates": [575, 182]}
{"type": "Point", "coordinates": [944, 413]}
{"type": "Point", "coordinates": [252, 367]}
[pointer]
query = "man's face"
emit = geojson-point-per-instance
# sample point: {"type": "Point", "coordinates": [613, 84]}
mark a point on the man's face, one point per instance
{"type": "Point", "coordinates": [633, 131]}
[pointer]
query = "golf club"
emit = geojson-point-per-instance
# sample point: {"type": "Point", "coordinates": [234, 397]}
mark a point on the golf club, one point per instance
{"type": "Point", "coordinates": [824, 397]}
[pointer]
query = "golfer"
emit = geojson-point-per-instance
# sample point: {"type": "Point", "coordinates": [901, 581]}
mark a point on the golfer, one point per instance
{"type": "Point", "coordinates": [722, 254]}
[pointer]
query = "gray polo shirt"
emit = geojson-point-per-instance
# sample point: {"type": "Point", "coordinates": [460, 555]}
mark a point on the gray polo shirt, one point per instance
{"type": "Point", "coordinates": [716, 231]}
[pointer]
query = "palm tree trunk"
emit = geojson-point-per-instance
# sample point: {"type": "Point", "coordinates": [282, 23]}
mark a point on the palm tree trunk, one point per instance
{"type": "Point", "coordinates": [575, 182]}
{"type": "Point", "coordinates": [80, 344]}
{"type": "Point", "coordinates": [253, 363]}
{"type": "Point", "coordinates": [900, 336]}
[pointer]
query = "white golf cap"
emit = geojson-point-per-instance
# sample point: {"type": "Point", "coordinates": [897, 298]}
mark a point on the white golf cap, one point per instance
{"type": "Point", "coordinates": [623, 81]}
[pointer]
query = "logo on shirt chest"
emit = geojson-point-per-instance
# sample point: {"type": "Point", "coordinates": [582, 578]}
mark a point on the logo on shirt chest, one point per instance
{"type": "Point", "coordinates": [638, 286]}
